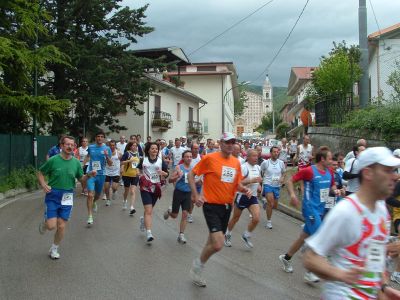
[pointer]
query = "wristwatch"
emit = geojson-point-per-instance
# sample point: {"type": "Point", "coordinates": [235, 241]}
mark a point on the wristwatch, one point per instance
{"type": "Point", "coordinates": [383, 287]}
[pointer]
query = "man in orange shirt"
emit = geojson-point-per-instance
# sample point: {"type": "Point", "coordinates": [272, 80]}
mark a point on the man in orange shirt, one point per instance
{"type": "Point", "coordinates": [222, 178]}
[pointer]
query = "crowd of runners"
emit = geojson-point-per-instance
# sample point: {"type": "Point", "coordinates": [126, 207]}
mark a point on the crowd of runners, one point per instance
{"type": "Point", "coordinates": [349, 232]}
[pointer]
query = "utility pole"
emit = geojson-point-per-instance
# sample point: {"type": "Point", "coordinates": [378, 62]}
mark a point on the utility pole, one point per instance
{"type": "Point", "coordinates": [363, 42]}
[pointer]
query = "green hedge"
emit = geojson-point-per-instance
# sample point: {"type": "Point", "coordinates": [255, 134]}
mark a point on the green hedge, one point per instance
{"type": "Point", "coordinates": [381, 119]}
{"type": "Point", "coordinates": [19, 178]}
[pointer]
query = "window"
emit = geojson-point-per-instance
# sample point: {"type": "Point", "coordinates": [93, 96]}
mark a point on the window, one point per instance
{"type": "Point", "coordinates": [191, 114]}
{"type": "Point", "coordinates": [178, 111]}
{"type": "Point", "coordinates": [205, 125]}
{"type": "Point", "coordinates": [157, 103]}
{"type": "Point", "coordinates": [267, 95]}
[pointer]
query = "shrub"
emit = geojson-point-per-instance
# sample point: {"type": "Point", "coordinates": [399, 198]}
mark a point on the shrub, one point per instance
{"type": "Point", "coordinates": [19, 178]}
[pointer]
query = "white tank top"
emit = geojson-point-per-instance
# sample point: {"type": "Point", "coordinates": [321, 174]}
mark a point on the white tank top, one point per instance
{"type": "Point", "coordinates": [293, 146]}
{"type": "Point", "coordinates": [114, 169]}
{"type": "Point", "coordinates": [304, 154]}
{"type": "Point", "coordinates": [150, 170]}
{"type": "Point", "coordinates": [272, 172]}
{"type": "Point", "coordinates": [82, 154]}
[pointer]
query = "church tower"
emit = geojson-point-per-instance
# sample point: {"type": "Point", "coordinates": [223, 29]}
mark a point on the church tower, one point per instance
{"type": "Point", "coordinates": [267, 95]}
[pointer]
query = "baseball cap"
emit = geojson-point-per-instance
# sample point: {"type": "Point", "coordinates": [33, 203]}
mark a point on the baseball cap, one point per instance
{"type": "Point", "coordinates": [396, 152]}
{"type": "Point", "coordinates": [377, 155]}
{"type": "Point", "coordinates": [227, 136]}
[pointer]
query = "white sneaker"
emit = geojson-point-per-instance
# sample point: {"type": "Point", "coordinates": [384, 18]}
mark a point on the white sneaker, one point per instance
{"type": "Point", "coordinates": [125, 205]}
{"type": "Point", "coordinates": [181, 238]}
{"type": "Point", "coordinates": [311, 277]}
{"type": "Point", "coordinates": [268, 225]}
{"type": "Point", "coordinates": [94, 207]}
{"type": "Point", "coordinates": [287, 264]}
{"type": "Point", "coordinates": [246, 240]}
{"type": "Point", "coordinates": [227, 241]}
{"type": "Point", "coordinates": [108, 202]}
{"type": "Point", "coordinates": [250, 216]}
{"type": "Point", "coordinates": [195, 273]}
{"type": "Point", "coordinates": [42, 227]}
{"type": "Point", "coordinates": [90, 220]}
{"type": "Point", "coordinates": [395, 277]}
{"type": "Point", "coordinates": [149, 237]}
{"type": "Point", "coordinates": [53, 253]}
{"type": "Point", "coordinates": [141, 224]}
{"type": "Point", "coordinates": [190, 218]}
{"type": "Point", "coordinates": [114, 196]}
{"type": "Point", "coordinates": [104, 196]}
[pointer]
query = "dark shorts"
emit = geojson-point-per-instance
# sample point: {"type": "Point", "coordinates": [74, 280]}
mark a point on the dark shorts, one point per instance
{"type": "Point", "coordinates": [114, 179]}
{"type": "Point", "coordinates": [396, 224]}
{"type": "Point", "coordinates": [245, 202]}
{"type": "Point", "coordinates": [85, 169]}
{"type": "Point", "coordinates": [128, 181]}
{"type": "Point", "coordinates": [217, 216]}
{"type": "Point", "coordinates": [181, 199]}
{"type": "Point", "coordinates": [148, 198]}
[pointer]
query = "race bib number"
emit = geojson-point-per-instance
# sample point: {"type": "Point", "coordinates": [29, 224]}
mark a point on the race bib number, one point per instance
{"type": "Point", "coordinates": [178, 157]}
{"type": "Point", "coordinates": [375, 261]}
{"type": "Point", "coordinates": [324, 195]}
{"type": "Point", "coordinates": [134, 165]}
{"type": "Point", "coordinates": [154, 177]}
{"type": "Point", "coordinates": [330, 202]}
{"type": "Point", "coordinates": [186, 178]}
{"type": "Point", "coordinates": [275, 180]}
{"type": "Point", "coordinates": [228, 174]}
{"type": "Point", "coordinates": [96, 165]}
{"type": "Point", "coordinates": [67, 199]}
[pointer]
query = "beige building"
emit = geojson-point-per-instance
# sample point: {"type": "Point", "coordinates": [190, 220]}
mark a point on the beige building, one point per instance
{"type": "Point", "coordinates": [256, 107]}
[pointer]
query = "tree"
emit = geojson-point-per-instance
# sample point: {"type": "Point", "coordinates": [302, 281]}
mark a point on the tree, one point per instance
{"type": "Point", "coordinates": [394, 82]}
{"type": "Point", "coordinates": [240, 104]}
{"type": "Point", "coordinates": [20, 23]}
{"type": "Point", "coordinates": [267, 121]}
{"type": "Point", "coordinates": [106, 77]}
{"type": "Point", "coordinates": [337, 72]}
{"type": "Point", "coordinates": [282, 130]}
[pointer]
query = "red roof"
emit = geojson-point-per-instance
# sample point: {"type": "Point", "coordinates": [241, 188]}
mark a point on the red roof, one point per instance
{"type": "Point", "coordinates": [303, 72]}
{"type": "Point", "coordinates": [377, 34]}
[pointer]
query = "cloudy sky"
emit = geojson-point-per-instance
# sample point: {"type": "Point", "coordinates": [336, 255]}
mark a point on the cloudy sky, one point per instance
{"type": "Point", "coordinates": [252, 44]}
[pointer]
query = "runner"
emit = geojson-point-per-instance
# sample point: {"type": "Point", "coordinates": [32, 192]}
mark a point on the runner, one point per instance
{"type": "Point", "coordinates": [318, 181]}
{"type": "Point", "coordinates": [82, 152]}
{"type": "Point", "coordinates": [260, 159]}
{"type": "Point", "coordinates": [273, 172]}
{"type": "Point", "coordinates": [130, 175]}
{"type": "Point", "coordinates": [61, 171]}
{"type": "Point", "coordinates": [293, 148]}
{"type": "Point", "coordinates": [153, 170]}
{"type": "Point", "coordinates": [283, 151]}
{"type": "Point", "coordinates": [222, 177]}
{"type": "Point", "coordinates": [236, 153]}
{"type": "Point", "coordinates": [252, 174]}
{"type": "Point", "coordinates": [199, 179]}
{"type": "Point", "coordinates": [210, 147]}
{"type": "Point", "coordinates": [112, 173]}
{"type": "Point", "coordinates": [121, 145]}
{"type": "Point", "coordinates": [304, 153]}
{"type": "Point", "coordinates": [354, 233]}
{"type": "Point", "coordinates": [176, 153]}
{"type": "Point", "coordinates": [98, 155]}
{"type": "Point", "coordinates": [54, 150]}
{"type": "Point", "coordinates": [351, 154]}
{"type": "Point", "coordinates": [184, 142]}
{"type": "Point", "coordinates": [350, 173]}
{"type": "Point", "coordinates": [182, 193]}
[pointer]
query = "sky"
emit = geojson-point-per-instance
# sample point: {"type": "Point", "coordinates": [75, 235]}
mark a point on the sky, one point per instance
{"type": "Point", "coordinates": [251, 45]}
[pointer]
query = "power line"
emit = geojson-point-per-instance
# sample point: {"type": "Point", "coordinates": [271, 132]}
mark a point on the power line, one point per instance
{"type": "Point", "coordinates": [376, 20]}
{"type": "Point", "coordinates": [284, 42]}
{"type": "Point", "coordinates": [229, 28]}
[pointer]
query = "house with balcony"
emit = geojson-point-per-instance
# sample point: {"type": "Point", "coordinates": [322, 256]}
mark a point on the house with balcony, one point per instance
{"type": "Point", "coordinates": [384, 48]}
{"type": "Point", "coordinates": [216, 83]}
{"type": "Point", "coordinates": [170, 111]}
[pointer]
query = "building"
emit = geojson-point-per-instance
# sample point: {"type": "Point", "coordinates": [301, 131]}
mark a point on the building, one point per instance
{"type": "Point", "coordinates": [256, 107]}
{"type": "Point", "coordinates": [384, 48]}
{"type": "Point", "coordinates": [216, 83]}
{"type": "Point", "coordinates": [300, 79]}
{"type": "Point", "coordinates": [171, 111]}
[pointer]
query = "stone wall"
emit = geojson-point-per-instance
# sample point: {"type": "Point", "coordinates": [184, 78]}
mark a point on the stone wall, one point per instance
{"type": "Point", "coordinates": [343, 140]}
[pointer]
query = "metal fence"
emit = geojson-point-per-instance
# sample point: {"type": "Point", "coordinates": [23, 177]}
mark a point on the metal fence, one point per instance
{"type": "Point", "coordinates": [332, 109]}
{"type": "Point", "coordinates": [17, 151]}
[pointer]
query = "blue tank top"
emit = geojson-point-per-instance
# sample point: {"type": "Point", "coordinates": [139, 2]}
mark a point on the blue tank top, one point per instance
{"type": "Point", "coordinates": [97, 158]}
{"type": "Point", "coordinates": [183, 184]}
{"type": "Point", "coordinates": [316, 192]}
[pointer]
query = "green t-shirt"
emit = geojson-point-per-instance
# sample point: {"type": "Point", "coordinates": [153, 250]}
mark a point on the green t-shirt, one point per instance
{"type": "Point", "coordinates": [62, 172]}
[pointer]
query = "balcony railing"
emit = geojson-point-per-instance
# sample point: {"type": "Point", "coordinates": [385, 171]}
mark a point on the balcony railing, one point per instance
{"type": "Point", "coordinates": [194, 128]}
{"type": "Point", "coordinates": [161, 120]}
{"type": "Point", "coordinates": [332, 109]}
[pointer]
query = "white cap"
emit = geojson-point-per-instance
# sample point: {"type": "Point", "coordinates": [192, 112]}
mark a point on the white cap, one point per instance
{"type": "Point", "coordinates": [396, 152]}
{"type": "Point", "coordinates": [377, 155]}
{"type": "Point", "coordinates": [183, 137]}
{"type": "Point", "coordinates": [227, 136]}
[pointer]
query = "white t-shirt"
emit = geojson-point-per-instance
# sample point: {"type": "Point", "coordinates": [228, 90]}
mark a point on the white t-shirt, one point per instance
{"type": "Point", "coordinates": [283, 153]}
{"type": "Point", "coordinates": [121, 147]}
{"type": "Point", "coordinates": [114, 169]}
{"type": "Point", "coordinates": [195, 161]}
{"type": "Point", "coordinates": [249, 171]}
{"type": "Point", "coordinates": [272, 172]}
{"type": "Point", "coordinates": [82, 154]}
{"type": "Point", "coordinates": [176, 155]}
{"type": "Point", "coordinates": [293, 146]}
{"type": "Point", "coordinates": [348, 156]}
{"type": "Point", "coordinates": [304, 154]}
{"type": "Point", "coordinates": [241, 160]}
{"type": "Point", "coordinates": [344, 227]}
{"type": "Point", "coordinates": [352, 184]}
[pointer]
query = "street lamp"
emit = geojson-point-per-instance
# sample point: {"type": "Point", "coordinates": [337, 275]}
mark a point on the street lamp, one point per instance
{"type": "Point", "coordinates": [273, 118]}
{"type": "Point", "coordinates": [224, 98]}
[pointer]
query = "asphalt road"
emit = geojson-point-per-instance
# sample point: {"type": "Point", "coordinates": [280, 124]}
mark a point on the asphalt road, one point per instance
{"type": "Point", "coordinates": [112, 261]}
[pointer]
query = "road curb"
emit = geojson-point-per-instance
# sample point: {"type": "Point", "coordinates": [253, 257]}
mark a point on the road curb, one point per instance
{"type": "Point", "coordinates": [290, 212]}
{"type": "Point", "coordinates": [13, 195]}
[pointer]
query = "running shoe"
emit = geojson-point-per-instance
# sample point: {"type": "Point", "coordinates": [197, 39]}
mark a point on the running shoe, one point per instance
{"type": "Point", "coordinates": [108, 202]}
{"type": "Point", "coordinates": [246, 240]}
{"type": "Point", "coordinates": [132, 212]}
{"type": "Point", "coordinates": [310, 277]}
{"type": "Point", "coordinates": [268, 225]}
{"type": "Point", "coordinates": [53, 253]}
{"type": "Point", "coordinates": [250, 216]}
{"type": "Point", "coordinates": [181, 238]}
{"type": "Point", "coordinates": [42, 227]}
{"type": "Point", "coordinates": [141, 226]}
{"type": "Point", "coordinates": [395, 277]}
{"type": "Point", "coordinates": [190, 218]}
{"type": "Point", "coordinates": [125, 205]}
{"type": "Point", "coordinates": [149, 237]}
{"type": "Point", "coordinates": [104, 197]}
{"type": "Point", "coordinates": [196, 273]}
{"type": "Point", "coordinates": [227, 241]}
{"type": "Point", "coordinates": [90, 220]}
{"type": "Point", "coordinates": [286, 264]}
{"type": "Point", "coordinates": [166, 214]}
{"type": "Point", "coordinates": [94, 207]}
